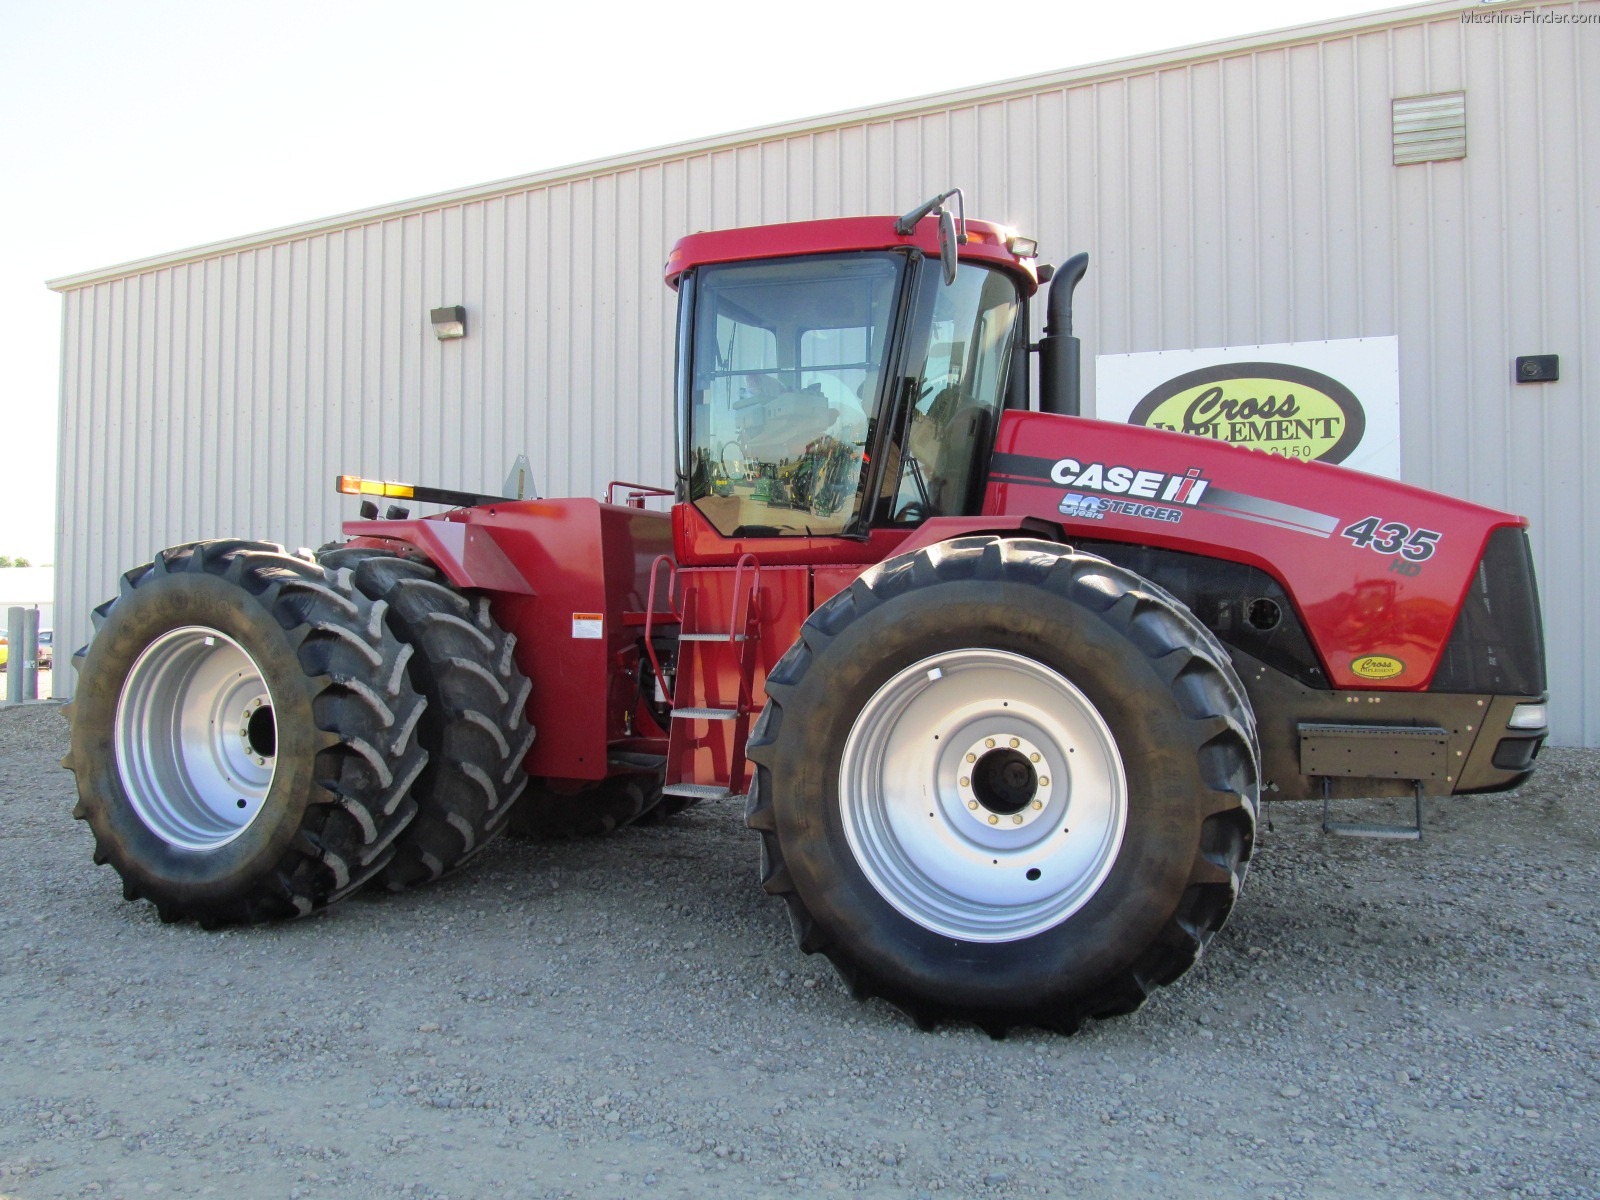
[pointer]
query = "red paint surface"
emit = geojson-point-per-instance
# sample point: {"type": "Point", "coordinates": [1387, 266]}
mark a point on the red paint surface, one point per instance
{"type": "Point", "coordinates": [570, 556]}
{"type": "Point", "coordinates": [545, 560]}
{"type": "Point", "coordinates": [986, 243]}
{"type": "Point", "coordinates": [1354, 601]}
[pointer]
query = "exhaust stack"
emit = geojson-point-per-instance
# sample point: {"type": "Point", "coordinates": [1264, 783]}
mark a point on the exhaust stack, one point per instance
{"type": "Point", "coordinates": [1060, 366]}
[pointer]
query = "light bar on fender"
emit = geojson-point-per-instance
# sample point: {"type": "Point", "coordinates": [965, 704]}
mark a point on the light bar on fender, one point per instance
{"type": "Point", "coordinates": [354, 485]}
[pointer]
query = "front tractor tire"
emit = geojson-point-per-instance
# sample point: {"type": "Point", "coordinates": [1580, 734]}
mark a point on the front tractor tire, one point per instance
{"type": "Point", "coordinates": [243, 735]}
{"type": "Point", "coordinates": [475, 728]}
{"type": "Point", "coordinates": [1005, 782]}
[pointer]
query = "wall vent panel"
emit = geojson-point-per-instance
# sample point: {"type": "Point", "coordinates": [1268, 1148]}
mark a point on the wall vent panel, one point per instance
{"type": "Point", "coordinates": [1430, 128]}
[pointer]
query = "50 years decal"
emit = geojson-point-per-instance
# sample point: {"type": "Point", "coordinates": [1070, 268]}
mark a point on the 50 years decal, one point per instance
{"type": "Point", "coordinates": [1393, 537]}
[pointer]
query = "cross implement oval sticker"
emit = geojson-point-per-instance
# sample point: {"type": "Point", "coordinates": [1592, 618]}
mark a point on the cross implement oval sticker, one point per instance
{"type": "Point", "coordinates": [1378, 666]}
{"type": "Point", "coordinates": [1276, 407]}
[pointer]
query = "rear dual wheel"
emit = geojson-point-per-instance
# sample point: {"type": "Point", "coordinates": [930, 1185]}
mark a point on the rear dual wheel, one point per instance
{"type": "Point", "coordinates": [243, 735]}
{"type": "Point", "coordinates": [257, 735]}
{"type": "Point", "coordinates": [1004, 782]}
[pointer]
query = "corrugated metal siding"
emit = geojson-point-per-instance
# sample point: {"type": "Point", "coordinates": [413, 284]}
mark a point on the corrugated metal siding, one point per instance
{"type": "Point", "coordinates": [1246, 196]}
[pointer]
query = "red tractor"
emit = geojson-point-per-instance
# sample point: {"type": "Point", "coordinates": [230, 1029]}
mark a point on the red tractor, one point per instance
{"type": "Point", "coordinates": [999, 687]}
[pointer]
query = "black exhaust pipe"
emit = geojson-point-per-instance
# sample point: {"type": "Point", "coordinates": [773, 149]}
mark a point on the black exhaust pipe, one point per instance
{"type": "Point", "coordinates": [1060, 354]}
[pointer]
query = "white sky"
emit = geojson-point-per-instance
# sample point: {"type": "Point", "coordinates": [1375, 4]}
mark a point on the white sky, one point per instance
{"type": "Point", "coordinates": [129, 129]}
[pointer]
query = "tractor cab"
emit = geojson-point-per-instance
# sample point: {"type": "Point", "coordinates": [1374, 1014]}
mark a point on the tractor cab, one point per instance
{"type": "Point", "coordinates": [841, 377]}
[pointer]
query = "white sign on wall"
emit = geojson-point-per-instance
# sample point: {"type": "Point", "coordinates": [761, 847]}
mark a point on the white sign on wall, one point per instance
{"type": "Point", "coordinates": [1337, 402]}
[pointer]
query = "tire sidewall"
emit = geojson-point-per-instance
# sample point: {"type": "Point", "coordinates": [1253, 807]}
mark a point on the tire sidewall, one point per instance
{"type": "Point", "coordinates": [156, 605]}
{"type": "Point", "coordinates": [1154, 739]}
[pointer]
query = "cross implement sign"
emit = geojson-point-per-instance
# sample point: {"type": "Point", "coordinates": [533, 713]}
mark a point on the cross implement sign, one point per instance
{"type": "Point", "coordinates": [1332, 401]}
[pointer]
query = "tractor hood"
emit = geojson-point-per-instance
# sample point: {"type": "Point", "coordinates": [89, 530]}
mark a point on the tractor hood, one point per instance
{"type": "Point", "coordinates": [1377, 570]}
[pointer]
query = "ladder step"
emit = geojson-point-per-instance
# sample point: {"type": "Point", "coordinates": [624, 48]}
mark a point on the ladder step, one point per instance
{"type": "Point", "coordinates": [1403, 833]}
{"type": "Point", "coordinates": [700, 791]}
{"type": "Point", "coordinates": [711, 637]}
{"type": "Point", "coordinates": [1374, 829]}
{"type": "Point", "coordinates": [706, 714]}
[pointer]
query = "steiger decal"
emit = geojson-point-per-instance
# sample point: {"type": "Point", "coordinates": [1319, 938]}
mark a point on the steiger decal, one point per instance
{"type": "Point", "coordinates": [1276, 407]}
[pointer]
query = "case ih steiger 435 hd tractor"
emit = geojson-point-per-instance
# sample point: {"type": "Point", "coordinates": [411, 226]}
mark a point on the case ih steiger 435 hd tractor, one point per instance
{"type": "Point", "coordinates": [999, 687]}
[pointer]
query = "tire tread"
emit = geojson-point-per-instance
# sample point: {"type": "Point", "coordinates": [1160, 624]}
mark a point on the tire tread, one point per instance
{"type": "Point", "coordinates": [1179, 649]}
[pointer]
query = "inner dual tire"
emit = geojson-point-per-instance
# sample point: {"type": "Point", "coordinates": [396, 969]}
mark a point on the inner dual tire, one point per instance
{"type": "Point", "coordinates": [1004, 782]}
{"type": "Point", "coordinates": [475, 727]}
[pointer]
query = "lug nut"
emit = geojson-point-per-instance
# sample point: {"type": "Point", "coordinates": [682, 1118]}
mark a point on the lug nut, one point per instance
{"type": "Point", "coordinates": [1015, 743]}
{"type": "Point", "coordinates": [972, 758]}
{"type": "Point", "coordinates": [1037, 805]}
{"type": "Point", "coordinates": [965, 782]}
{"type": "Point", "coordinates": [1044, 781]}
{"type": "Point", "coordinates": [972, 804]}
{"type": "Point", "coordinates": [1017, 820]}
{"type": "Point", "coordinates": [994, 820]}
{"type": "Point", "coordinates": [1033, 757]}
{"type": "Point", "coordinates": [989, 743]}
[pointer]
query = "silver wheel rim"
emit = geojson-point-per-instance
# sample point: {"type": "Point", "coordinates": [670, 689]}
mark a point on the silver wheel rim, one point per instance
{"type": "Point", "coordinates": [937, 836]}
{"type": "Point", "coordinates": [196, 738]}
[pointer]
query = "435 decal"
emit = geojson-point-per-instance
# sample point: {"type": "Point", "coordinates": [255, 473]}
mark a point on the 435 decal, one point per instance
{"type": "Point", "coordinates": [1393, 537]}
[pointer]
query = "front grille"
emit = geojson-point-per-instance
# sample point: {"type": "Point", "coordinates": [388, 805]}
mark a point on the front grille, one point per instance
{"type": "Point", "coordinates": [1497, 647]}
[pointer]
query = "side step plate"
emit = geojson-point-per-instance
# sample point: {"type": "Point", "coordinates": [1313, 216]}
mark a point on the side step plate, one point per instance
{"type": "Point", "coordinates": [705, 714]}
{"type": "Point", "coordinates": [1372, 829]}
{"type": "Point", "coordinates": [1402, 833]}
{"type": "Point", "coordinates": [700, 791]}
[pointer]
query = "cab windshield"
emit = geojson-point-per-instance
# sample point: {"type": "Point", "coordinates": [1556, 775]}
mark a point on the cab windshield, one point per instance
{"type": "Point", "coordinates": [788, 356]}
{"type": "Point", "coordinates": [958, 368]}
{"type": "Point", "coordinates": [792, 363]}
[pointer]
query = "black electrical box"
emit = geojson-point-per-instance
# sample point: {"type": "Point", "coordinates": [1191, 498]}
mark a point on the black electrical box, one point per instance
{"type": "Point", "coordinates": [1537, 368]}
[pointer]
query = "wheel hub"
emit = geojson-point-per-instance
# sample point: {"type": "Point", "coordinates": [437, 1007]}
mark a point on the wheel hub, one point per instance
{"type": "Point", "coordinates": [983, 795]}
{"type": "Point", "coordinates": [1001, 784]}
{"type": "Point", "coordinates": [196, 738]}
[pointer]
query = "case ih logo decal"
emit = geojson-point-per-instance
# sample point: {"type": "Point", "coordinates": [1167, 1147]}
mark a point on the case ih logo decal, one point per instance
{"type": "Point", "coordinates": [1189, 492]}
{"type": "Point", "coordinates": [1146, 485]}
{"type": "Point", "coordinates": [1282, 409]}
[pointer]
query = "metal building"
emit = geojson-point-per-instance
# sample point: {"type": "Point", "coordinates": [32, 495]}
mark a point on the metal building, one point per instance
{"type": "Point", "coordinates": [1251, 191]}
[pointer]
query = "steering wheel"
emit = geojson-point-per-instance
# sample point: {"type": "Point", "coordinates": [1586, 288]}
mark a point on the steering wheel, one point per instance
{"type": "Point", "coordinates": [914, 512]}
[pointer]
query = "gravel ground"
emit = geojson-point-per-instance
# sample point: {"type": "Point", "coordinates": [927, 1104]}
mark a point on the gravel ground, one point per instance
{"type": "Point", "coordinates": [629, 1018]}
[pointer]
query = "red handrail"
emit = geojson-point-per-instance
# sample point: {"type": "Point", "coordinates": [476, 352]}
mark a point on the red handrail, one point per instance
{"type": "Point", "coordinates": [637, 493]}
{"type": "Point", "coordinates": [650, 612]}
